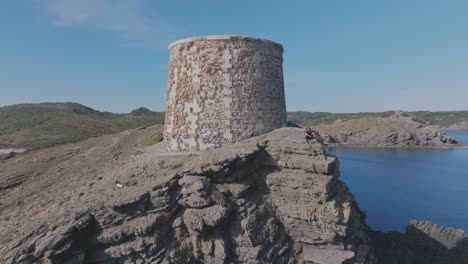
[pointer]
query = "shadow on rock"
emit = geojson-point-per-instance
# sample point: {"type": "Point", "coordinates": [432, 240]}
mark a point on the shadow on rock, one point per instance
{"type": "Point", "coordinates": [422, 243]}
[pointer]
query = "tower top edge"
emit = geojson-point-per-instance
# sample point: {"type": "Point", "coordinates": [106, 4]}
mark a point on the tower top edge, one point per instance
{"type": "Point", "coordinates": [222, 37]}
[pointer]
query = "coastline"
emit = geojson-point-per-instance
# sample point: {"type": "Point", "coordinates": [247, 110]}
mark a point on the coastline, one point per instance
{"type": "Point", "coordinates": [438, 173]}
{"type": "Point", "coordinates": [456, 130]}
{"type": "Point", "coordinates": [459, 146]}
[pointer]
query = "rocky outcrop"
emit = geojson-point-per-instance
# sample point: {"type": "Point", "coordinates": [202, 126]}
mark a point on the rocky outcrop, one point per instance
{"type": "Point", "coordinates": [5, 156]}
{"type": "Point", "coordinates": [8, 153]}
{"type": "Point", "coordinates": [422, 243]}
{"type": "Point", "coordinates": [462, 125]}
{"type": "Point", "coordinates": [399, 129]}
{"type": "Point", "coordinates": [269, 199]}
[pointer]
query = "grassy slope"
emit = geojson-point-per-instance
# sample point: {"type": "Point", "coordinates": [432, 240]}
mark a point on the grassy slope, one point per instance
{"type": "Point", "coordinates": [48, 124]}
{"type": "Point", "coordinates": [443, 119]}
{"type": "Point", "coordinates": [317, 118]}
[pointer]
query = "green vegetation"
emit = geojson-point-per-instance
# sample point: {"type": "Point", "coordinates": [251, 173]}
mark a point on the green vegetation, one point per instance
{"type": "Point", "coordinates": [317, 118]}
{"type": "Point", "coordinates": [443, 119]}
{"type": "Point", "coordinates": [48, 124]}
{"type": "Point", "coordinates": [5, 238]}
{"type": "Point", "coordinates": [154, 137]}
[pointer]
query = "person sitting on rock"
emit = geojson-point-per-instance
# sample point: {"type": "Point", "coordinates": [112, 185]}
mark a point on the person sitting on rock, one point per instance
{"type": "Point", "coordinates": [309, 134]}
{"type": "Point", "coordinates": [312, 134]}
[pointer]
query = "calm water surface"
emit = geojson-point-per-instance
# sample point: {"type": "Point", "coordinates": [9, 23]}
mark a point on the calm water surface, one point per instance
{"type": "Point", "coordinates": [394, 186]}
{"type": "Point", "coordinates": [461, 136]}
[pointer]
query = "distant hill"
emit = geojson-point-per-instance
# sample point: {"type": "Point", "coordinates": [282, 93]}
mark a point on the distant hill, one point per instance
{"type": "Point", "coordinates": [48, 124]}
{"type": "Point", "coordinates": [451, 120]}
{"type": "Point", "coordinates": [454, 120]}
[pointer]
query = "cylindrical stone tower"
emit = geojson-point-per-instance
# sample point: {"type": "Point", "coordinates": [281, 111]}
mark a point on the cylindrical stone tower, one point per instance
{"type": "Point", "coordinates": [223, 89]}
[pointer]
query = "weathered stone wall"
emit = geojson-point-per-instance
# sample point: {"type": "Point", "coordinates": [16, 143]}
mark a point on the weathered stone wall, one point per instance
{"type": "Point", "coordinates": [223, 89]}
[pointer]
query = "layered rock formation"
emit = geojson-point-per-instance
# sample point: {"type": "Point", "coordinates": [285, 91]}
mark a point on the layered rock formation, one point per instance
{"type": "Point", "coordinates": [399, 129]}
{"type": "Point", "coordinates": [422, 243]}
{"type": "Point", "coordinates": [269, 199]}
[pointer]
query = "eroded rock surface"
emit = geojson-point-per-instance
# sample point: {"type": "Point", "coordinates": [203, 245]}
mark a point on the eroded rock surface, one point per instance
{"type": "Point", "coordinates": [400, 130]}
{"type": "Point", "coordinates": [422, 243]}
{"type": "Point", "coordinates": [269, 199]}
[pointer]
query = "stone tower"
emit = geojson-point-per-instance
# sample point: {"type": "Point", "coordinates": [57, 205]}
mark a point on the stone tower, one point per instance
{"type": "Point", "coordinates": [223, 89]}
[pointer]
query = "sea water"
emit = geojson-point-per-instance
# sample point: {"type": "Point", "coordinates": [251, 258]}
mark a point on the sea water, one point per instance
{"type": "Point", "coordinates": [394, 186]}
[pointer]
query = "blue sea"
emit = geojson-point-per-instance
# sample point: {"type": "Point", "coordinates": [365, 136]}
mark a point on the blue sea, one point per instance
{"type": "Point", "coordinates": [395, 186]}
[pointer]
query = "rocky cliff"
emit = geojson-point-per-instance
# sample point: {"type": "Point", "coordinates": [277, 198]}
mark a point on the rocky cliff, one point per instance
{"type": "Point", "coordinates": [422, 243]}
{"type": "Point", "coordinates": [269, 199]}
{"type": "Point", "coordinates": [399, 129]}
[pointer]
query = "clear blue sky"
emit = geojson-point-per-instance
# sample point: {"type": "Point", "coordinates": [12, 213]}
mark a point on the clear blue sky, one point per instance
{"type": "Point", "coordinates": [340, 56]}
